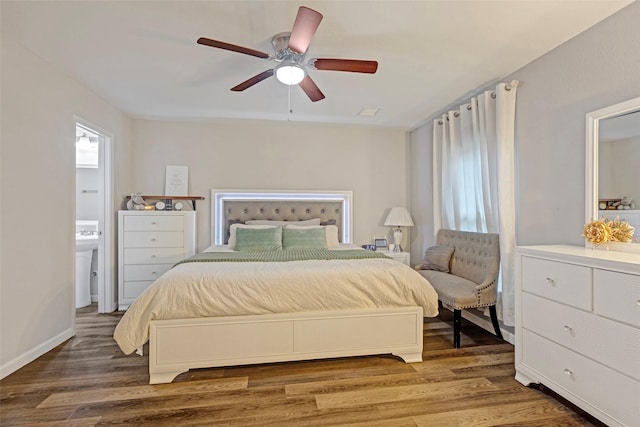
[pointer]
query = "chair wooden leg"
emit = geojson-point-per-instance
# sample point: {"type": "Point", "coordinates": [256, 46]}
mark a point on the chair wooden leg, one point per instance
{"type": "Point", "coordinates": [494, 320]}
{"type": "Point", "coordinates": [457, 320]}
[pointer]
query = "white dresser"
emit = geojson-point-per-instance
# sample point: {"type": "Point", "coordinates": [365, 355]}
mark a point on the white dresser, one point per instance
{"type": "Point", "coordinates": [578, 327]}
{"type": "Point", "coordinates": [150, 243]}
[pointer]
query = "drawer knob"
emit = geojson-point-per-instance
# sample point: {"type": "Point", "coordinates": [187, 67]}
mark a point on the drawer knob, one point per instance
{"type": "Point", "coordinates": [568, 328]}
{"type": "Point", "coordinates": [153, 240]}
{"type": "Point", "coordinates": [153, 223]}
{"type": "Point", "coordinates": [638, 302]}
{"type": "Point", "coordinates": [153, 273]}
{"type": "Point", "coordinates": [550, 281]}
{"type": "Point", "coordinates": [153, 256]}
{"type": "Point", "coordinates": [568, 372]}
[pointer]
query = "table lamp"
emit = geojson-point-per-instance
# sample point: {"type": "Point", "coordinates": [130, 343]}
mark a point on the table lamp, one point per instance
{"type": "Point", "coordinates": [398, 217]}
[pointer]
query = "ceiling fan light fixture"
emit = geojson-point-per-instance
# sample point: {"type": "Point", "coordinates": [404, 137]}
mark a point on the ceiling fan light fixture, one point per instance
{"type": "Point", "coordinates": [290, 74]}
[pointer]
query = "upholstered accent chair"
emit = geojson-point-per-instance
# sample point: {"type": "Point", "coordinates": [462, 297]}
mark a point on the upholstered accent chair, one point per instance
{"type": "Point", "coordinates": [468, 278]}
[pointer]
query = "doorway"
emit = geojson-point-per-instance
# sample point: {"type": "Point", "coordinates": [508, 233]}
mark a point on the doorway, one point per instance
{"type": "Point", "coordinates": [93, 214]}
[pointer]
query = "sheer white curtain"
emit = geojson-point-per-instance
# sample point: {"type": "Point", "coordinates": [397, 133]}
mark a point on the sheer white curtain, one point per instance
{"type": "Point", "coordinates": [473, 175]}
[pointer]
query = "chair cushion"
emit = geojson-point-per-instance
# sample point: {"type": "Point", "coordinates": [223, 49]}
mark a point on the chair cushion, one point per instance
{"type": "Point", "coordinates": [454, 291]}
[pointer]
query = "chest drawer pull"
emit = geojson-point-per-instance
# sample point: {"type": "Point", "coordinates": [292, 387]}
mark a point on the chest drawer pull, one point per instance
{"type": "Point", "coordinates": [638, 302]}
{"type": "Point", "coordinates": [550, 281]}
{"type": "Point", "coordinates": [568, 372]}
{"type": "Point", "coordinates": [568, 328]}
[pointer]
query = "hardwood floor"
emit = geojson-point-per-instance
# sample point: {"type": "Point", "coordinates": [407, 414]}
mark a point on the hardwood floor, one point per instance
{"type": "Point", "coordinates": [87, 381]}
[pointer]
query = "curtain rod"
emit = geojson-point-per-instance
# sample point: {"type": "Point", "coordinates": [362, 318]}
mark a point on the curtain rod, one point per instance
{"type": "Point", "coordinates": [507, 87]}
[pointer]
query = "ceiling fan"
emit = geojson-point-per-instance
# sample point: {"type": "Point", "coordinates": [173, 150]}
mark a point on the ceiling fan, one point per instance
{"type": "Point", "coordinates": [290, 49]}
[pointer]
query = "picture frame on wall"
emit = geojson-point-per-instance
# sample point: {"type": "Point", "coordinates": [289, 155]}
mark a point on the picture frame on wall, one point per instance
{"type": "Point", "coordinates": [176, 181]}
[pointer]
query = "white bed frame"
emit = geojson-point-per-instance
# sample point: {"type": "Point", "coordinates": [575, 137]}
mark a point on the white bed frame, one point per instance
{"type": "Point", "coordinates": [175, 346]}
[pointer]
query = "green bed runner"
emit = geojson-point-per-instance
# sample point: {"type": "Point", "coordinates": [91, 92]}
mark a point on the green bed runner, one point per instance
{"type": "Point", "coordinates": [282, 255]}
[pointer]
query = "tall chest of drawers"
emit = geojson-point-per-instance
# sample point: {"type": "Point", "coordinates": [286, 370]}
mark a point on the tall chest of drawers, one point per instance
{"type": "Point", "coordinates": [578, 327]}
{"type": "Point", "coordinates": [149, 244]}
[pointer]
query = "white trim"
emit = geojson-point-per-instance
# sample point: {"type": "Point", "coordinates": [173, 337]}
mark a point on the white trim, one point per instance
{"type": "Point", "coordinates": [31, 355]}
{"type": "Point", "coordinates": [218, 197]}
{"type": "Point", "coordinates": [485, 324]}
{"type": "Point", "coordinates": [591, 159]}
{"type": "Point", "coordinates": [107, 301]}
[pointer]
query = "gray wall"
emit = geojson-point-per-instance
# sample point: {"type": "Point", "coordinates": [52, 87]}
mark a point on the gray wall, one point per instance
{"type": "Point", "coordinates": [263, 155]}
{"type": "Point", "coordinates": [597, 68]}
{"type": "Point", "coordinates": [37, 199]}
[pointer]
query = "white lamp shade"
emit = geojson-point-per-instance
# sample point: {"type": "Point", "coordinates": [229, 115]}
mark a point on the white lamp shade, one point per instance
{"type": "Point", "coordinates": [399, 217]}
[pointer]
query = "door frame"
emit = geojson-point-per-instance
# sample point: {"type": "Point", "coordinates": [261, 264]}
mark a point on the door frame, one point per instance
{"type": "Point", "coordinates": [106, 218]}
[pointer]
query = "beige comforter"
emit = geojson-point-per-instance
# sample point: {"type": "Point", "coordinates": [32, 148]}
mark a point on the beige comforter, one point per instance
{"type": "Point", "coordinates": [212, 289]}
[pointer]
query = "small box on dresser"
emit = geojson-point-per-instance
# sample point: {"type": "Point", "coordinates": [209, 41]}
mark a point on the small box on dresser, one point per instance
{"type": "Point", "coordinates": [578, 327]}
{"type": "Point", "coordinates": [149, 244]}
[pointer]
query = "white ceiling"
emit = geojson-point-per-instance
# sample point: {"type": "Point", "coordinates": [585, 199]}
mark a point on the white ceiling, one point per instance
{"type": "Point", "coordinates": [142, 56]}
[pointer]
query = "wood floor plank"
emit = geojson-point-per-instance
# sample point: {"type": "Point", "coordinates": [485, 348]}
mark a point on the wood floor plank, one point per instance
{"type": "Point", "coordinates": [485, 401]}
{"type": "Point", "coordinates": [396, 422]}
{"type": "Point", "coordinates": [80, 422]}
{"type": "Point", "coordinates": [461, 362]}
{"type": "Point", "coordinates": [500, 415]}
{"type": "Point", "coordinates": [456, 389]}
{"type": "Point", "coordinates": [87, 381]}
{"type": "Point", "coordinates": [349, 384]}
{"type": "Point", "coordinates": [143, 392]}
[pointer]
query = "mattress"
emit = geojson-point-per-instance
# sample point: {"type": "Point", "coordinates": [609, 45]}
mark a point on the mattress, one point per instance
{"type": "Point", "coordinates": [213, 289]}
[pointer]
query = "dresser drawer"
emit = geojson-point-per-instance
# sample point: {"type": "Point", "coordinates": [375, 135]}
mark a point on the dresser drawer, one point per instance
{"type": "Point", "coordinates": [153, 256]}
{"type": "Point", "coordinates": [567, 283]}
{"type": "Point", "coordinates": [133, 289]}
{"type": "Point", "coordinates": [612, 344]}
{"type": "Point", "coordinates": [153, 239]}
{"type": "Point", "coordinates": [133, 272]}
{"type": "Point", "coordinates": [617, 296]}
{"type": "Point", "coordinates": [153, 222]}
{"type": "Point", "coordinates": [616, 394]}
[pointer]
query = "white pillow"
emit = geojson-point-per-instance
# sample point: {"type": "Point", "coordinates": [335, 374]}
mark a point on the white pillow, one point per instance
{"type": "Point", "coordinates": [314, 221]}
{"type": "Point", "coordinates": [232, 232]}
{"type": "Point", "coordinates": [331, 232]}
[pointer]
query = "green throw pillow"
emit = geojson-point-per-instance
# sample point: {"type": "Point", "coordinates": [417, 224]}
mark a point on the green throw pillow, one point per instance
{"type": "Point", "coordinates": [311, 238]}
{"type": "Point", "coordinates": [262, 239]}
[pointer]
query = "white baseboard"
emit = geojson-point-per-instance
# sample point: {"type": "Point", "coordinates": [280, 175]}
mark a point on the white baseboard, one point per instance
{"type": "Point", "coordinates": [485, 323]}
{"type": "Point", "coordinates": [31, 355]}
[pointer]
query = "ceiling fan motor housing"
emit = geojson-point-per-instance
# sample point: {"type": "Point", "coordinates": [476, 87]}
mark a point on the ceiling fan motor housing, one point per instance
{"type": "Point", "coordinates": [280, 43]}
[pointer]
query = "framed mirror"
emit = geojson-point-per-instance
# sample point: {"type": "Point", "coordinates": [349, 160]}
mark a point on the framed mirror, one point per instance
{"type": "Point", "coordinates": [613, 167]}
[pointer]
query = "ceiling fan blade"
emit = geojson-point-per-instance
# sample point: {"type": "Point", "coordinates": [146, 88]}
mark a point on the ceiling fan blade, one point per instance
{"type": "Point", "coordinates": [351, 65]}
{"type": "Point", "coordinates": [253, 80]}
{"type": "Point", "coordinates": [304, 27]}
{"type": "Point", "coordinates": [309, 87]}
{"type": "Point", "coordinates": [232, 47]}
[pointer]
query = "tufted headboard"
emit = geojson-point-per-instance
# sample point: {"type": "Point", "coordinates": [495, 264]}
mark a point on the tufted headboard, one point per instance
{"type": "Point", "coordinates": [229, 206]}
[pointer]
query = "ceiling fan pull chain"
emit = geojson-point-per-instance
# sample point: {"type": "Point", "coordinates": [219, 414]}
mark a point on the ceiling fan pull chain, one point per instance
{"type": "Point", "coordinates": [289, 100]}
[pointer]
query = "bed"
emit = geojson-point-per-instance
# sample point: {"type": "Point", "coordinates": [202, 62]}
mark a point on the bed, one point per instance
{"type": "Point", "coordinates": [228, 306]}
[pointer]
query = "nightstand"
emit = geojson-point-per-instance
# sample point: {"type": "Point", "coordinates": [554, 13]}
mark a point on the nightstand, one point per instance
{"type": "Point", "coordinates": [403, 257]}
